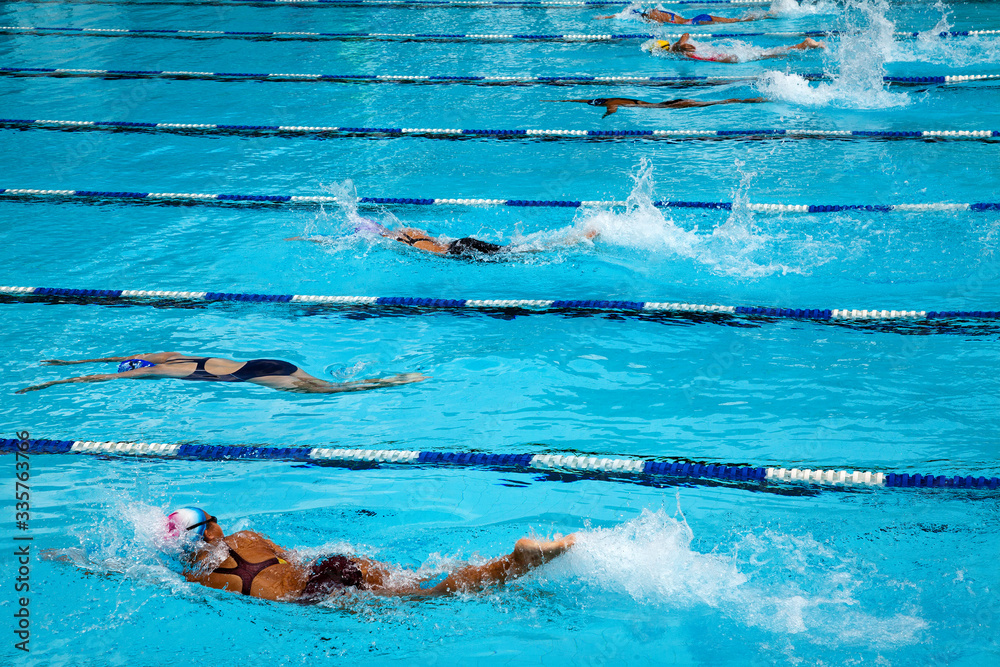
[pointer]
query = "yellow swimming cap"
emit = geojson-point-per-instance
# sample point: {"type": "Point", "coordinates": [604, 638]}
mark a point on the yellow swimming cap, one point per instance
{"type": "Point", "coordinates": [662, 44]}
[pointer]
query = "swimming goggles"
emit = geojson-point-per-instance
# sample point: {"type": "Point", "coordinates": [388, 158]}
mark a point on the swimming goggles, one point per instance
{"type": "Point", "coordinates": [210, 519]}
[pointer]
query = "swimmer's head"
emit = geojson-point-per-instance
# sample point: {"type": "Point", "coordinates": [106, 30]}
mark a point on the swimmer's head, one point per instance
{"type": "Point", "coordinates": [188, 523]}
{"type": "Point", "coordinates": [662, 44]}
{"type": "Point", "coordinates": [132, 364]}
{"type": "Point", "coordinates": [366, 226]}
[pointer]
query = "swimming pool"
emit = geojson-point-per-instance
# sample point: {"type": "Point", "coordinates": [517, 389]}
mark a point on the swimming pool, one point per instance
{"type": "Point", "coordinates": [743, 573]}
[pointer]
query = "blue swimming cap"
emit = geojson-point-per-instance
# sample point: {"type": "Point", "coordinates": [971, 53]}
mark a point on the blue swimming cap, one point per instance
{"type": "Point", "coordinates": [181, 522]}
{"type": "Point", "coordinates": [132, 364]}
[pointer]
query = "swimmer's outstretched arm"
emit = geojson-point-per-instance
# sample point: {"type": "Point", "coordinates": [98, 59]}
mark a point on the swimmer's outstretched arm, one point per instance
{"type": "Point", "coordinates": [155, 358]}
{"type": "Point", "coordinates": [526, 556]}
{"type": "Point", "coordinates": [804, 45]}
{"type": "Point", "coordinates": [103, 377]}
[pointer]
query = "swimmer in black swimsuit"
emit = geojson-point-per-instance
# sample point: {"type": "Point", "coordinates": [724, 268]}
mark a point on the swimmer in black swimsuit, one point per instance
{"type": "Point", "coordinates": [465, 248]}
{"type": "Point", "coordinates": [612, 104]}
{"type": "Point", "coordinates": [272, 373]}
{"type": "Point", "coordinates": [263, 569]}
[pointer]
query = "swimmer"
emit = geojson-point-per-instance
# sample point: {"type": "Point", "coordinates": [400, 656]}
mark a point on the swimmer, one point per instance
{"type": "Point", "coordinates": [684, 47]}
{"type": "Point", "coordinates": [663, 16]}
{"type": "Point", "coordinates": [271, 373]}
{"type": "Point", "coordinates": [248, 563]}
{"type": "Point", "coordinates": [464, 248]}
{"type": "Point", "coordinates": [612, 104]}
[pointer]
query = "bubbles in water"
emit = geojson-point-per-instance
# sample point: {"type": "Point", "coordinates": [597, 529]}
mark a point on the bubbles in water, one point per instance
{"type": "Point", "coordinates": [856, 67]}
{"type": "Point", "coordinates": [784, 584]}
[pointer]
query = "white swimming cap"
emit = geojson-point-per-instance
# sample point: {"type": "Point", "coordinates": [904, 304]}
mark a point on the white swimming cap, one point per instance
{"type": "Point", "coordinates": [186, 519]}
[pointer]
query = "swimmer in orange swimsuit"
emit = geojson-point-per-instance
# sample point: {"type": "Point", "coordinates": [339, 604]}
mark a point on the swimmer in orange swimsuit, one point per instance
{"type": "Point", "coordinates": [663, 16]}
{"type": "Point", "coordinates": [612, 104]}
{"type": "Point", "coordinates": [260, 568]}
{"type": "Point", "coordinates": [684, 47]}
{"type": "Point", "coordinates": [272, 373]}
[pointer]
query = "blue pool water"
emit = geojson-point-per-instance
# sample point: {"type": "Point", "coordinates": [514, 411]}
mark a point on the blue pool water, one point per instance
{"type": "Point", "coordinates": [665, 572]}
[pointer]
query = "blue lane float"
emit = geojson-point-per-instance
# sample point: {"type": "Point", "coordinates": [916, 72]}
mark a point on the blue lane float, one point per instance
{"type": "Point", "coordinates": [827, 314]}
{"type": "Point", "coordinates": [189, 33]}
{"type": "Point", "coordinates": [475, 79]}
{"type": "Point", "coordinates": [611, 466]}
{"type": "Point", "coordinates": [248, 129]}
{"type": "Point", "coordinates": [11, 194]}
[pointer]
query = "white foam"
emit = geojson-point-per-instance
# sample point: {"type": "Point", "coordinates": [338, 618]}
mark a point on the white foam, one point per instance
{"type": "Point", "coordinates": [733, 248]}
{"type": "Point", "coordinates": [782, 584]}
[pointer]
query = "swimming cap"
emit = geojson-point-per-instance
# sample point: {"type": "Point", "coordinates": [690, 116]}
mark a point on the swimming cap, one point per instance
{"type": "Point", "coordinates": [186, 520]}
{"type": "Point", "coordinates": [132, 364]}
{"type": "Point", "coordinates": [366, 226]}
{"type": "Point", "coordinates": [662, 44]}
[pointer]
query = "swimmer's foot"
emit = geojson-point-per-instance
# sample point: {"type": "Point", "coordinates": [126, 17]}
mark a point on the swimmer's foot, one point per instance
{"type": "Point", "coordinates": [400, 378]}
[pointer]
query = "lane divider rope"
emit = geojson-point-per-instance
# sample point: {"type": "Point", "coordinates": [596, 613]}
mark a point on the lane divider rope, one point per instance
{"type": "Point", "coordinates": [385, 132]}
{"type": "Point", "coordinates": [193, 197]}
{"type": "Point", "coordinates": [343, 36]}
{"type": "Point", "coordinates": [546, 462]}
{"type": "Point", "coordinates": [429, 78]}
{"type": "Point", "coordinates": [533, 304]}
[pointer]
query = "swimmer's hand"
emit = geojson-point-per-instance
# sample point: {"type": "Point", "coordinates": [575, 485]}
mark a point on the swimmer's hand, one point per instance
{"type": "Point", "coordinates": [34, 387]}
{"type": "Point", "coordinates": [57, 362]}
{"type": "Point", "coordinates": [314, 239]}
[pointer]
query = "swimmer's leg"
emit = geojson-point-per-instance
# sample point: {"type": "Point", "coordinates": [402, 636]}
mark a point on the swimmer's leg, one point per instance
{"type": "Point", "coordinates": [526, 556]}
{"type": "Point", "coordinates": [303, 383]}
{"type": "Point", "coordinates": [691, 104]}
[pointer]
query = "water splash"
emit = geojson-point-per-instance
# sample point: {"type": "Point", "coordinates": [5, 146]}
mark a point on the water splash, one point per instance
{"type": "Point", "coordinates": [930, 48]}
{"type": "Point", "coordinates": [733, 248]}
{"type": "Point", "coordinates": [856, 65]}
{"type": "Point", "coordinates": [632, 12]}
{"type": "Point", "coordinates": [798, 8]}
{"type": "Point", "coordinates": [130, 540]}
{"type": "Point", "coordinates": [782, 584]}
